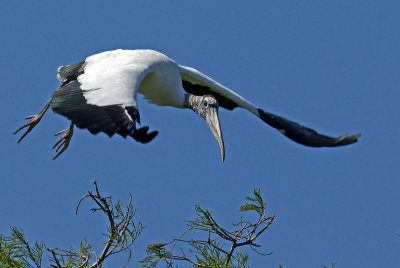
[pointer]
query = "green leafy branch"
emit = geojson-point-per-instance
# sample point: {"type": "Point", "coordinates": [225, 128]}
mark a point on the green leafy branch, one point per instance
{"type": "Point", "coordinates": [16, 251]}
{"type": "Point", "coordinates": [218, 250]}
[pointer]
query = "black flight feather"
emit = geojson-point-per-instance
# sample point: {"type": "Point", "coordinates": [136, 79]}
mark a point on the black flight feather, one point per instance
{"type": "Point", "coordinates": [304, 135]}
{"type": "Point", "coordinates": [69, 101]}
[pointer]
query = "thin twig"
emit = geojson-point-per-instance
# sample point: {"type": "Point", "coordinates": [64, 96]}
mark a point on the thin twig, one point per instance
{"type": "Point", "coordinates": [55, 257]}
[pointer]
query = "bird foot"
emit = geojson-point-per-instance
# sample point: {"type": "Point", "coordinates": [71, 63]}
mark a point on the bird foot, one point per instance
{"type": "Point", "coordinates": [35, 119]}
{"type": "Point", "coordinates": [31, 124]}
{"type": "Point", "coordinates": [63, 142]}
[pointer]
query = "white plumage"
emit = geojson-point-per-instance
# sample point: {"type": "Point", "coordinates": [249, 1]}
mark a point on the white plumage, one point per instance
{"type": "Point", "coordinates": [100, 94]}
{"type": "Point", "coordinates": [120, 74]}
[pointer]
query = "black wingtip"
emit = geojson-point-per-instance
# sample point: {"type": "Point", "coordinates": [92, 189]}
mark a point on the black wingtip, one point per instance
{"type": "Point", "coordinates": [345, 140]}
{"type": "Point", "coordinates": [141, 135]}
{"type": "Point", "coordinates": [304, 135]}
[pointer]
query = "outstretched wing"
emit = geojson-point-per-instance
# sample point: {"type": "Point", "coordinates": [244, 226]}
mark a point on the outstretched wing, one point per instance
{"type": "Point", "coordinates": [100, 94]}
{"type": "Point", "coordinates": [197, 83]}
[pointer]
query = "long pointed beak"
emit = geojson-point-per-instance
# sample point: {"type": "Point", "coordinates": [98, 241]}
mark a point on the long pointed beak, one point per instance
{"type": "Point", "coordinates": [212, 120]}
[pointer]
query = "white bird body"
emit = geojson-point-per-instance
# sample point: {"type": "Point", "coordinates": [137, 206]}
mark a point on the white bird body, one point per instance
{"type": "Point", "coordinates": [100, 94]}
{"type": "Point", "coordinates": [120, 74]}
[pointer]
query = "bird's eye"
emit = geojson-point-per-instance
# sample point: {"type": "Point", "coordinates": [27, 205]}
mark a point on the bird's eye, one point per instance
{"type": "Point", "coordinates": [205, 103]}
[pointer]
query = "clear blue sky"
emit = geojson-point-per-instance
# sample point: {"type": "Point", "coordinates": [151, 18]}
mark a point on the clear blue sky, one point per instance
{"type": "Point", "coordinates": [331, 65]}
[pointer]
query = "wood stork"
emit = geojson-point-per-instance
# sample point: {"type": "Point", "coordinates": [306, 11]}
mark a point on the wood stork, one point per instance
{"type": "Point", "coordinates": [100, 94]}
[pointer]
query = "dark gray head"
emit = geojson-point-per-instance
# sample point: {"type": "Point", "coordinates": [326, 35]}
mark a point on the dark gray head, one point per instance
{"type": "Point", "coordinates": [207, 107]}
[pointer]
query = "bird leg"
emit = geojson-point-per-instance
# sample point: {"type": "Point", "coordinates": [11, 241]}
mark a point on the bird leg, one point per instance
{"type": "Point", "coordinates": [63, 142]}
{"type": "Point", "coordinates": [35, 119]}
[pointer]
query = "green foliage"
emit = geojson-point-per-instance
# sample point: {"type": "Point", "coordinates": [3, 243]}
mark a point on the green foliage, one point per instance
{"type": "Point", "coordinates": [218, 250]}
{"type": "Point", "coordinates": [72, 257]}
{"type": "Point", "coordinates": [257, 204]}
{"type": "Point", "coordinates": [210, 255]}
{"type": "Point", "coordinates": [16, 251]}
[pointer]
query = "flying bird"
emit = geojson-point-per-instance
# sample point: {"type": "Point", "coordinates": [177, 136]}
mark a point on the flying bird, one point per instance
{"type": "Point", "coordinates": [100, 94]}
